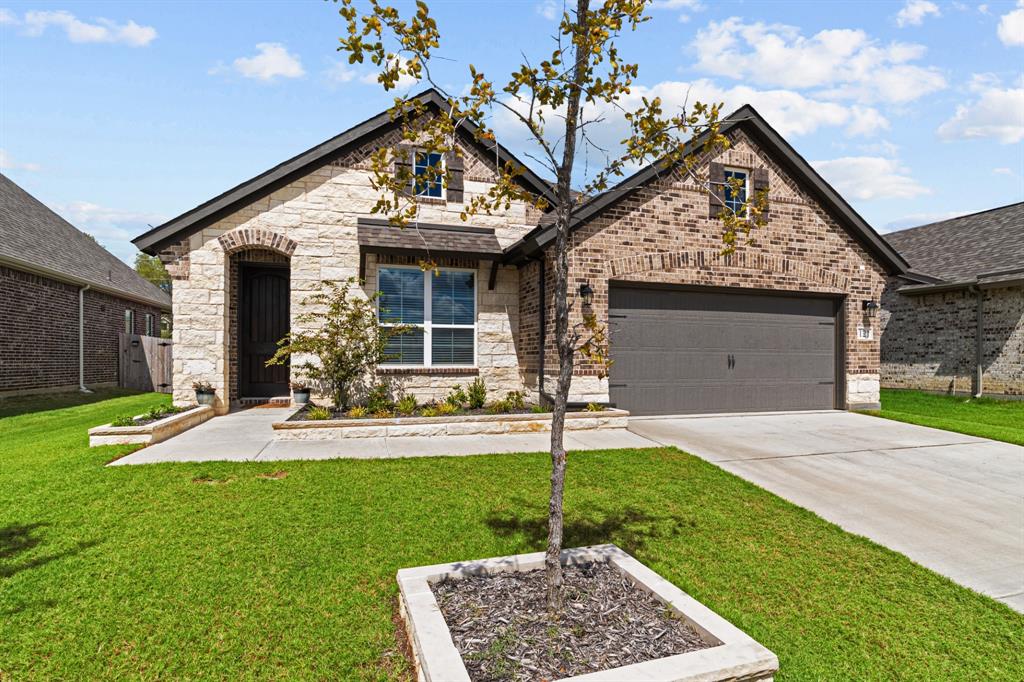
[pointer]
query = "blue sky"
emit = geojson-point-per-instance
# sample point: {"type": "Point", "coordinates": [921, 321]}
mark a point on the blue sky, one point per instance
{"type": "Point", "coordinates": [120, 115]}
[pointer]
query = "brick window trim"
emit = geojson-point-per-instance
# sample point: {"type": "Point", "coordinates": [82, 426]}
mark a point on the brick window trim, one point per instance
{"type": "Point", "coordinates": [429, 371]}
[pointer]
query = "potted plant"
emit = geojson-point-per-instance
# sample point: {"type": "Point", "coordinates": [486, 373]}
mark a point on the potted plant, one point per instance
{"type": "Point", "coordinates": [300, 393]}
{"type": "Point", "coordinates": [205, 393]}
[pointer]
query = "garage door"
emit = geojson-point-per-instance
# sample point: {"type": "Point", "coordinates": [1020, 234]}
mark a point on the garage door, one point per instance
{"type": "Point", "coordinates": [692, 351]}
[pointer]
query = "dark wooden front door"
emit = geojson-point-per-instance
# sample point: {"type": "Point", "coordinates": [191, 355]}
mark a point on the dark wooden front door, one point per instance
{"type": "Point", "coordinates": [263, 321]}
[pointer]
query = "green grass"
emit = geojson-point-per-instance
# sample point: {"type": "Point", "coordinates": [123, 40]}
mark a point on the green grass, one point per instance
{"type": "Point", "coordinates": [984, 417]}
{"type": "Point", "coordinates": [215, 571]}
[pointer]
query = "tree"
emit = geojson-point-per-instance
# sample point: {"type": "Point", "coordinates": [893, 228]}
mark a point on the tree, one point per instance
{"type": "Point", "coordinates": [345, 343]}
{"type": "Point", "coordinates": [152, 269]}
{"type": "Point", "coordinates": [557, 101]}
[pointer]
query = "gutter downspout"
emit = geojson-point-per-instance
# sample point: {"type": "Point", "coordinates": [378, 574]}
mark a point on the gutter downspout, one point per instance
{"type": "Point", "coordinates": [979, 351]}
{"type": "Point", "coordinates": [81, 339]}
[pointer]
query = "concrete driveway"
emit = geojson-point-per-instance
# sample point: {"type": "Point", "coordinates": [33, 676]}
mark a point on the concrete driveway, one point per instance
{"type": "Point", "coordinates": [950, 502]}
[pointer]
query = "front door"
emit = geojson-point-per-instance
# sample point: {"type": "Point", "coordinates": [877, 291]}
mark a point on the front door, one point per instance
{"type": "Point", "coordinates": [263, 321]}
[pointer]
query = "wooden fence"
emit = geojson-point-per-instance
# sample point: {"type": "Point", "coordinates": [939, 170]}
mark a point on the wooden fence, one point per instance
{"type": "Point", "coordinates": [145, 363]}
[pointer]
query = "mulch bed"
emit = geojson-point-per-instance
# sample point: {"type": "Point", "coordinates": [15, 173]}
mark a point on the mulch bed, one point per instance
{"type": "Point", "coordinates": [499, 624]}
{"type": "Point", "coordinates": [142, 421]}
{"type": "Point", "coordinates": [300, 416]}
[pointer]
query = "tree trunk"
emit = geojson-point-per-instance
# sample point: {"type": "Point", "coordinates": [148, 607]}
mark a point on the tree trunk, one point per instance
{"type": "Point", "coordinates": [563, 340]}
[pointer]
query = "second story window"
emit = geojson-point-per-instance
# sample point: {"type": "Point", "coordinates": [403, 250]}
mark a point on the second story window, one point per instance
{"type": "Point", "coordinates": [735, 200]}
{"type": "Point", "coordinates": [428, 172]}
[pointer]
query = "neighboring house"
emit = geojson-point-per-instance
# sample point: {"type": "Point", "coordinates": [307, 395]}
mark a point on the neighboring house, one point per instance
{"type": "Point", "coordinates": [955, 322]}
{"type": "Point", "coordinates": [63, 301]}
{"type": "Point", "coordinates": [786, 324]}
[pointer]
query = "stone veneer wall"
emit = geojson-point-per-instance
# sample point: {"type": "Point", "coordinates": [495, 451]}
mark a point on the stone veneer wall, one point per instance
{"type": "Point", "coordinates": [318, 214]}
{"type": "Point", "coordinates": [928, 342]}
{"type": "Point", "coordinates": [662, 233]}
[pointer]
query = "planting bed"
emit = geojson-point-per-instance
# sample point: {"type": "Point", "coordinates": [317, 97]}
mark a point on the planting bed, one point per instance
{"type": "Point", "coordinates": [486, 620]}
{"type": "Point", "coordinates": [147, 430]}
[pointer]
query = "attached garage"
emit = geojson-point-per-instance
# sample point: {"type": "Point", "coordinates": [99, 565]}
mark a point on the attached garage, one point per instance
{"type": "Point", "coordinates": [700, 350]}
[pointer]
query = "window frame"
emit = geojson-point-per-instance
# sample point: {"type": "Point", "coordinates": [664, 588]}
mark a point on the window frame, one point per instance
{"type": "Point", "coordinates": [150, 324]}
{"type": "Point", "coordinates": [746, 187]}
{"type": "Point", "coordinates": [444, 169]}
{"type": "Point", "coordinates": [129, 321]}
{"type": "Point", "coordinates": [428, 313]}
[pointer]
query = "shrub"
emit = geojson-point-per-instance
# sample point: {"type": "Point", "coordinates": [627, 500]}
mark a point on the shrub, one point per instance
{"type": "Point", "coordinates": [477, 395]}
{"type": "Point", "coordinates": [457, 397]}
{"type": "Point", "coordinates": [515, 400]}
{"type": "Point", "coordinates": [345, 344]}
{"type": "Point", "coordinates": [539, 409]}
{"type": "Point", "coordinates": [157, 412]}
{"type": "Point", "coordinates": [595, 407]}
{"type": "Point", "coordinates": [316, 413]}
{"type": "Point", "coordinates": [499, 407]}
{"type": "Point", "coordinates": [406, 405]}
{"type": "Point", "coordinates": [447, 408]}
{"type": "Point", "coordinates": [383, 413]}
{"type": "Point", "coordinates": [123, 420]}
{"type": "Point", "coordinates": [357, 412]}
{"type": "Point", "coordinates": [429, 410]}
{"type": "Point", "coordinates": [378, 398]}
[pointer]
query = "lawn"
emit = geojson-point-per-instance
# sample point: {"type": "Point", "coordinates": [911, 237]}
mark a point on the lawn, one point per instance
{"type": "Point", "coordinates": [217, 571]}
{"type": "Point", "coordinates": [983, 417]}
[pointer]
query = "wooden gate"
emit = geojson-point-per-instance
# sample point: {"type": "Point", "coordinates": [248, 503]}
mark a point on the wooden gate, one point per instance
{"type": "Point", "coordinates": [145, 363]}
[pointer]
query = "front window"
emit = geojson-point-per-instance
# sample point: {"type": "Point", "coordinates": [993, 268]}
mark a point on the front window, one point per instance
{"type": "Point", "coordinates": [736, 200]}
{"type": "Point", "coordinates": [428, 170]}
{"type": "Point", "coordinates": [438, 306]}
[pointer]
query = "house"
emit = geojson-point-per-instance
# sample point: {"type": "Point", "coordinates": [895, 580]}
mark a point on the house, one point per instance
{"type": "Point", "coordinates": [788, 324]}
{"type": "Point", "coordinates": [955, 321]}
{"type": "Point", "coordinates": [63, 301]}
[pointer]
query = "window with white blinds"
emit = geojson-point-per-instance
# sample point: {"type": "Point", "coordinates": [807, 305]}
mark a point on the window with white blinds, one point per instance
{"type": "Point", "coordinates": [440, 306]}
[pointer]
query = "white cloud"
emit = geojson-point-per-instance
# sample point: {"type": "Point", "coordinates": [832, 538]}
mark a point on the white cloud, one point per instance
{"type": "Point", "coordinates": [340, 72]}
{"type": "Point", "coordinates": [1011, 27]}
{"type": "Point", "coordinates": [684, 7]}
{"type": "Point", "coordinates": [273, 60]}
{"type": "Point", "coordinates": [114, 228]}
{"type": "Point", "coordinates": [870, 177]}
{"type": "Point", "coordinates": [129, 33]}
{"type": "Point", "coordinates": [9, 163]}
{"type": "Point", "coordinates": [844, 62]}
{"type": "Point", "coordinates": [1002, 170]}
{"type": "Point", "coordinates": [925, 218]}
{"type": "Point", "coordinates": [915, 11]}
{"type": "Point", "coordinates": [549, 9]}
{"type": "Point", "coordinates": [997, 113]}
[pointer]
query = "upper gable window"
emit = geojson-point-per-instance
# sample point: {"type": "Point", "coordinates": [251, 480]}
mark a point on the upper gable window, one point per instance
{"type": "Point", "coordinates": [735, 200]}
{"type": "Point", "coordinates": [428, 170]}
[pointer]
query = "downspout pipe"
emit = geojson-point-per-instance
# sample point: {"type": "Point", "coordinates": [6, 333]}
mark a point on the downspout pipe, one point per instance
{"type": "Point", "coordinates": [81, 339]}
{"type": "Point", "coordinates": [979, 351]}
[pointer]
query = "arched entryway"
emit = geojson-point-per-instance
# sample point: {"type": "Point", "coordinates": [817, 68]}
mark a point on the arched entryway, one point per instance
{"type": "Point", "coordinates": [259, 305]}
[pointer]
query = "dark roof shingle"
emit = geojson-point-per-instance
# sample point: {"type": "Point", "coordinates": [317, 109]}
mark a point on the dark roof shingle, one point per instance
{"type": "Point", "coordinates": [458, 240]}
{"type": "Point", "coordinates": [960, 249]}
{"type": "Point", "coordinates": [33, 236]}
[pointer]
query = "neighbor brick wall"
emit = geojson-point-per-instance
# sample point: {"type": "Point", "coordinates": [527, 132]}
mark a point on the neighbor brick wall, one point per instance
{"type": "Point", "coordinates": [928, 342]}
{"type": "Point", "coordinates": [662, 233]}
{"type": "Point", "coordinates": [39, 332]}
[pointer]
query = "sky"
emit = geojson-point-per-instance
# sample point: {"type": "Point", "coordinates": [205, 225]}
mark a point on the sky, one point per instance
{"type": "Point", "coordinates": [121, 115]}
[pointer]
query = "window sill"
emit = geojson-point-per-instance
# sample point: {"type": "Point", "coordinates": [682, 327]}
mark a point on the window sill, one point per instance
{"type": "Point", "coordinates": [435, 371]}
{"type": "Point", "coordinates": [438, 201]}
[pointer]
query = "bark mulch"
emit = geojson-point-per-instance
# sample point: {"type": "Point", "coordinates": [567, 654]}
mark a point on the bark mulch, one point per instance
{"type": "Point", "coordinates": [499, 624]}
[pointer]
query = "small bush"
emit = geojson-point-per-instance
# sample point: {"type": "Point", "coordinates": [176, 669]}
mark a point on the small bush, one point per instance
{"type": "Point", "coordinates": [383, 413]}
{"type": "Point", "coordinates": [515, 400]}
{"type": "Point", "coordinates": [318, 413]}
{"type": "Point", "coordinates": [477, 394]}
{"type": "Point", "coordinates": [540, 409]}
{"type": "Point", "coordinates": [499, 407]}
{"type": "Point", "coordinates": [457, 397]}
{"type": "Point", "coordinates": [429, 410]}
{"type": "Point", "coordinates": [448, 408]}
{"type": "Point", "coordinates": [378, 399]}
{"type": "Point", "coordinates": [123, 420]}
{"type": "Point", "coordinates": [595, 407]}
{"type": "Point", "coordinates": [406, 405]}
{"type": "Point", "coordinates": [357, 412]}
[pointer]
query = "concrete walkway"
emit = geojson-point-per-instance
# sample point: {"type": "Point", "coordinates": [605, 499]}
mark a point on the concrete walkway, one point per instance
{"type": "Point", "coordinates": [247, 436]}
{"type": "Point", "coordinates": [950, 502]}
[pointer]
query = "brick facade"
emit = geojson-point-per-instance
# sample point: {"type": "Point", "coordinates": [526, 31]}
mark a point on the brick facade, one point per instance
{"type": "Point", "coordinates": [928, 341]}
{"type": "Point", "coordinates": [39, 343]}
{"type": "Point", "coordinates": [662, 233]}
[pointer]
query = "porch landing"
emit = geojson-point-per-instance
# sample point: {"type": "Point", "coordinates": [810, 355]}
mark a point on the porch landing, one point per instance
{"type": "Point", "coordinates": [247, 436]}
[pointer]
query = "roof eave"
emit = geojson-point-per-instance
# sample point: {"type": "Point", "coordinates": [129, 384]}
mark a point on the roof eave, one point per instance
{"type": "Point", "coordinates": [32, 268]}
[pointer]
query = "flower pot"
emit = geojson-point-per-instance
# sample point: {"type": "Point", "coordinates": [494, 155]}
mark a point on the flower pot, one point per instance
{"type": "Point", "coordinates": [300, 397]}
{"type": "Point", "coordinates": [206, 398]}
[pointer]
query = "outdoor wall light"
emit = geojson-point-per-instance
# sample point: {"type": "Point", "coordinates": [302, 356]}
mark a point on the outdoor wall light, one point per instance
{"type": "Point", "coordinates": [586, 293]}
{"type": "Point", "coordinates": [870, 307]}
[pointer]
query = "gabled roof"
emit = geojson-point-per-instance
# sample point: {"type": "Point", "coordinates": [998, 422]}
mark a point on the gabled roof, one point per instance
{"type": "Point", "coordinates": [747, 119]}
{"type": "Point", "coordinates": [964, 248]}
{"type": "Point", "coordinates": [237, 197]}
{"type": "Point", "coordinates": [35, 239]}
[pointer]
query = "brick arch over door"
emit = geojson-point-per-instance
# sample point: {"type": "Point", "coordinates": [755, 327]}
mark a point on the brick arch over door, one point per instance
{"type": "Point", "coordinates": [702, 259]}
{"type": "Point", "coordinates": [256, 238]}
